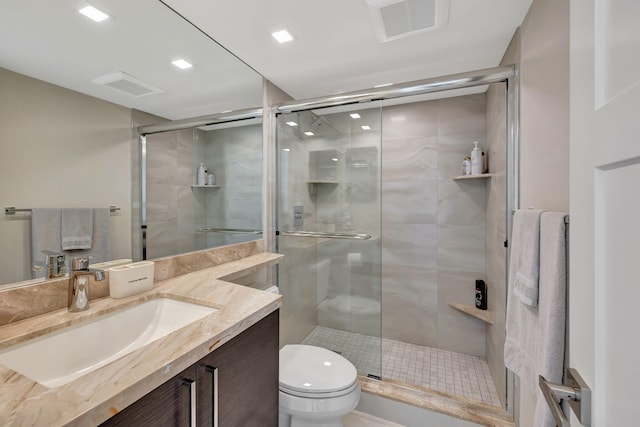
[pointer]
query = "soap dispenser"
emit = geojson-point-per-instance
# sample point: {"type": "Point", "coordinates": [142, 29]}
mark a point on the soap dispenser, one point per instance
{"type": "Point", "coordinates": [202, 175]}
{"type": "Point", "coordinates": [476, 160]}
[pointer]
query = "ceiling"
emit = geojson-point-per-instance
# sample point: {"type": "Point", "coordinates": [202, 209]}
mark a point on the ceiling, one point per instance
{"type": "Point", "coordinates": [335, 48]}
{"type": "Point", "coordinates": [49, 40]}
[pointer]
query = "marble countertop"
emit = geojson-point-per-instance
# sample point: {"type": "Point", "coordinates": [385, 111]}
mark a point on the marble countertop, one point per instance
{"type": "Point", "coordinates": [98, 395]}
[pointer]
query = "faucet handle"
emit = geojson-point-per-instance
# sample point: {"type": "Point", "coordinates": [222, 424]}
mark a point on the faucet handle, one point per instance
{"type": "Point", "coordinates": [55, 264]}
{"type": "Point", "coordinates": [79, 263]}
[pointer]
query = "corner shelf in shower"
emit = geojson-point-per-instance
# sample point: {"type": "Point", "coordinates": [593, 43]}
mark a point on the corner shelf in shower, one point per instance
{"type": "Point", "coordinates": [483, 315]}
{"type": "Point", "coordinates": [480, 176]}
{"type": "Point", "coordinates": [205, 186]}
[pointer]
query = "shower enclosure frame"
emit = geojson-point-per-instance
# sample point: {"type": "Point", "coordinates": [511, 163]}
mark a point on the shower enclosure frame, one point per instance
{"type": "Point", "coordinates": [140, 223]}
{"type": "Point", "coordinates": [504, 74]}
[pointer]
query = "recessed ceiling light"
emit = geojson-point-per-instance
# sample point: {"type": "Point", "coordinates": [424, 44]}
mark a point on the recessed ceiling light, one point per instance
{"type": "Point", "coordinates": [282, 36]}
{"type": "Point", "coordinates": [182, 64]}
{"type": "Point", "coordinates": [335, 159]}
{"type": "Point", "coordinates": [365, 127]}
{"type": "Point", "coordinates": [93, 13]}
{"type": "Point", "coordinates": [307, 384]}
{"type": "Point", "coordinates": [292, 124]}
{"type": "Point", "coordinates": [355, 115]}
{"type": "Point", "coordinates": [327, 363]}
{"type": "Point", "coordinates": [309, 133]}
{"type": "Point", "coordinates": [383, 85]}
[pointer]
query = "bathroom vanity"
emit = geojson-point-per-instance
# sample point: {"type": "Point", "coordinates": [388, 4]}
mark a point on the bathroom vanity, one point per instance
{"type": "Point", "coordinates": [234, 385]}
{"type": "Point", "coordinates": [174, 379]}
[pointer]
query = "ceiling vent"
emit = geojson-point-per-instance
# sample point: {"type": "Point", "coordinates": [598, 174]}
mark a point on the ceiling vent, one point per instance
{"type": "Point", "coordinates": [394, 19]}
{"type": "Point", "coordinates": [127, 84]}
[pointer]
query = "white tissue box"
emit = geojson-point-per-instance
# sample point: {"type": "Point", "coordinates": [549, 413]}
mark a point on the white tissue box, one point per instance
{"type": "Point", "coordinates": [130, 279]}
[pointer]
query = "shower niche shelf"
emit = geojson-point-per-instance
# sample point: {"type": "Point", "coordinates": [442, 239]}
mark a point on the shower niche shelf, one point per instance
{"type": "Point", "coordinates": [471, 310]}
{"type": "Point", "coordinates": [205, 186]}
{"type": "Point", "coordinates": [480, 176]}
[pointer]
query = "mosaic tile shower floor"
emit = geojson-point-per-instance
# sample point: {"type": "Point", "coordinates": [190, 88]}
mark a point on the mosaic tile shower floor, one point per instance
{"type": "Point", "coordinates": [441, 370]}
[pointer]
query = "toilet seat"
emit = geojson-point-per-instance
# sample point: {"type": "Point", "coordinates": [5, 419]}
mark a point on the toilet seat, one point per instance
{"type": "Point", "coordinates": [315, 372]}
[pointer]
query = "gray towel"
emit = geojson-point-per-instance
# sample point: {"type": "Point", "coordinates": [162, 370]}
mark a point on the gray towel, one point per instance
{"type": "Point", "coordinates": [101, 248]}
{"type": "Point", "coordinates": [535, 336]}
{"type": "Point", "coordinates": [76, 228]}
{"type": "Point", "coordinates": [45, 236]}
{"type": "Point", "coordinates": [525, 255]}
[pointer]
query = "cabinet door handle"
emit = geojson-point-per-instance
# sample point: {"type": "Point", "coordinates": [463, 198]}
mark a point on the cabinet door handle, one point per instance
{"type": "Point", "coordinates": [192, 400]}
{"type": "Point", "coordinates": [214, 379]}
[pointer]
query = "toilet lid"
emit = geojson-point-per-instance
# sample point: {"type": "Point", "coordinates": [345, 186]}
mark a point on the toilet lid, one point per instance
{"type": "Point", "coordinates": [309, 369]}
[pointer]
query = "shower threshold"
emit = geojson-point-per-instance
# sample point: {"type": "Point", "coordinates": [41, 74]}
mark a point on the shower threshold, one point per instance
{"type": "Point", "coordinates": [425, 367]}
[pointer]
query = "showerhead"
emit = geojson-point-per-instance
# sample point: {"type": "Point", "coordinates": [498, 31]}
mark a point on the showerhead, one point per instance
{"type": "Point", "coordinates": [320, 124]}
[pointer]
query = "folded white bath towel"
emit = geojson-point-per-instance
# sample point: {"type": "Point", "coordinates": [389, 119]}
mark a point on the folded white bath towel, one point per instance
{"type": "Point", "coordinates": [535, 336]}
{"type": "Point", "coordinates": [525, 255]}
{"type": "Point", "coordinates": [76, 228]}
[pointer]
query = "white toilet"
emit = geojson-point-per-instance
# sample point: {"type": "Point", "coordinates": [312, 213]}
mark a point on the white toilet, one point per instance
{"type": "Point", "coordinates": [317, 387]}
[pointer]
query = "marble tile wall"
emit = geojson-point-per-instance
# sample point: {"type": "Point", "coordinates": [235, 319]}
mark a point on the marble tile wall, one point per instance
{"type": "Point", "coordinates": [433, 242]}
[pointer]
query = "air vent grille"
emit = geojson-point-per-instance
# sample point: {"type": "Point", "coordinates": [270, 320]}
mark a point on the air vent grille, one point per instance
{"type": "Point", "coordinates": [408, 16]}
{"type": "Point", "coordinates": [128, 84]}
{"type": "Point", "coordinates": [393, 19]}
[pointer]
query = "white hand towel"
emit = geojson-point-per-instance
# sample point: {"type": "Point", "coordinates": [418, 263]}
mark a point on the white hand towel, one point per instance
{"type": "Point", "coordinates": [525, 255]}
{"type": "Point", "coordinates": [77, 228]}
{"type": "Point", "coordinates": [535, 336]}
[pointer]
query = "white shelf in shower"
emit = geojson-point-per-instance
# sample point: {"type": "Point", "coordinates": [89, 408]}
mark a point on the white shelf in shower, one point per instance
{"type": "Point", "coordinates": [471, 310]}
{"type": "Point", "coordinates": [205, 186]}
{"type": "Point", "coordinates": [480, 176]}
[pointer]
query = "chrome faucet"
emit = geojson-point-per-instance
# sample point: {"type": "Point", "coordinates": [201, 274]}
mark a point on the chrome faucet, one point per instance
{"type": "Point", "coordinates": [79, 284]}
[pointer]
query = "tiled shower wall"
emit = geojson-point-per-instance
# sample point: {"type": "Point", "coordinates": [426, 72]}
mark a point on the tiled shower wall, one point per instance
{"type": "Point", "coordinates": [171, 213]}
{"type": "Point", "coordinates": [234, 156]}
{"type": "Point", "coordinates": [433, 228]}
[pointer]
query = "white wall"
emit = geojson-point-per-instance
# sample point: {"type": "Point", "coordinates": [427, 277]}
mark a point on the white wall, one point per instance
{"type": "Point", "coordinates": [544, 116]}
{"type": "Point", "coordinates": [544, 106]}
{"type": "Point", "coordinates": [60, 148]}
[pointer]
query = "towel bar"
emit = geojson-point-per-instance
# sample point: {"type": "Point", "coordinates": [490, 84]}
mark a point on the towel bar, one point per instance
{"type": "Point", "coordinates": [11, 210]}
{"type": "Point", "coordinates": [576, 392]}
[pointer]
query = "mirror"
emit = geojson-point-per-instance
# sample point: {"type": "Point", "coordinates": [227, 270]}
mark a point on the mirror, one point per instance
{"type": "Point", "coordinates": [72, 88]}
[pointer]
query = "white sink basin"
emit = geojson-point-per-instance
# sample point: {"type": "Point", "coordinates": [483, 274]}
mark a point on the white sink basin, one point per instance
{"type": "Point", "coordinates": [62, 356]}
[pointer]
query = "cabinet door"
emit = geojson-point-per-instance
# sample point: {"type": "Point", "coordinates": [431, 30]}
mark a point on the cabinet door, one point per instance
{"type": "Point", "coordinates": [247, 375]}
{"type": "Point", "coordinates": [168, 405]}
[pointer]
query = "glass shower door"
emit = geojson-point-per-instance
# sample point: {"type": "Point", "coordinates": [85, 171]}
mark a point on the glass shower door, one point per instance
{"type": "Point", "coordinates": [329, 231]}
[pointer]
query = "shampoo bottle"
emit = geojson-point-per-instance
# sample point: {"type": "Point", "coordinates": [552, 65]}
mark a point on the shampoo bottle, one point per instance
{"type": "Point", "coordinates": [202, 175]}
{"type": "Point", "coordinates": [476, 160]}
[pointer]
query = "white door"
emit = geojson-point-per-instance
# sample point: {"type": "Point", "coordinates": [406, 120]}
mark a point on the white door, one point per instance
{"type": "Point", "coordinates": [605, 206]}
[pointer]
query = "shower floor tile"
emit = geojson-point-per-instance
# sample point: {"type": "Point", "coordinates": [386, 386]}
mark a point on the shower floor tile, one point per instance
{"type": "Point", "coordinates": [440, 370]}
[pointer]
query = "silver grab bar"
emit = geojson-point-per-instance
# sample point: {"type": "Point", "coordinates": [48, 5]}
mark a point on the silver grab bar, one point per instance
{"type": "Point", "coordinates": [324, 235]}
{"type": "Point", "coordinates": [230, 230]}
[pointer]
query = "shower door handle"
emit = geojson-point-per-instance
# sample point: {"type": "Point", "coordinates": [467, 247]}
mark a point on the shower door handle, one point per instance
{"type": "Point", "coordinates": [323, 235]}
{"type": "Point", "coordinates": [576, 392]}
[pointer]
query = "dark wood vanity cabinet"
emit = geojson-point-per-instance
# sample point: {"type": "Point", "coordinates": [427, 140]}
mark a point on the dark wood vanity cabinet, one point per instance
{"type": "Point", "coordinates": [237, 383]}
